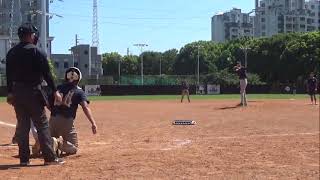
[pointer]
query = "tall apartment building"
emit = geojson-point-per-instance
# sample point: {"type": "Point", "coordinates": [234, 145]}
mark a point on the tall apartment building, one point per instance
{"type": "Point", "coordinates": [285, 16]}
{"type": "Point", "coordinates": [84, 57]}
{"type": "Point", "coordinates": [21, 11]}
{"type": "Point", "coordinates": [231, 25]}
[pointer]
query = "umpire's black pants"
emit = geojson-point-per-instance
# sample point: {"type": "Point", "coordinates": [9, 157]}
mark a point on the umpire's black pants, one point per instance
{"type": "Point", "coordinates": [28, 105]}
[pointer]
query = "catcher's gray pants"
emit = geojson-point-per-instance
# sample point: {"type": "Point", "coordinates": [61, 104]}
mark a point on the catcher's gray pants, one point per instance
{"type": "Point", "coordinates": [243, 86]}
{"type": "Point", "coordinates": [61, 126]}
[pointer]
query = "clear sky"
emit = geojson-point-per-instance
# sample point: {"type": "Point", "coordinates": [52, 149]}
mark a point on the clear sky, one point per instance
{"type": "Point", "coordinates": [162, 24]}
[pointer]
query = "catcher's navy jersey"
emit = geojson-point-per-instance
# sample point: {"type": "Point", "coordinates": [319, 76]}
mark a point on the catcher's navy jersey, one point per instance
{"type": "Point", "coordinates": [72, 96]}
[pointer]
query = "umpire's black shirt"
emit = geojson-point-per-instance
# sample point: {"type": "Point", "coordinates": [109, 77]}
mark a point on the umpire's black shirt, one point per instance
{"type": "Point", "coordinates": [26, 64]}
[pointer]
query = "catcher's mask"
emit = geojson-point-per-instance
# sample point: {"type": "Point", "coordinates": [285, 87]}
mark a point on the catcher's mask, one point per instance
{"type": "Point", "coordinates": [73, 75]}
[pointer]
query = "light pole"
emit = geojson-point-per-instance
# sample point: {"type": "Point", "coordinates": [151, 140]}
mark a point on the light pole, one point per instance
{"type": "Point", "coordinates": [245, 49]}
{"type": "Point", "coordinates": [160, 64]}
{"type": "Point", "coordinates": [141, 48]}
{"type": "Point", "coordinates": [119, 70]}
{"type": "Point", "coordinates": [198, 65]}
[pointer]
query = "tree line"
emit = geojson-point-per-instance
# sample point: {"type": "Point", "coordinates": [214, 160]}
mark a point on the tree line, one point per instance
{"type": "Point", "coordinates": [279, 59]}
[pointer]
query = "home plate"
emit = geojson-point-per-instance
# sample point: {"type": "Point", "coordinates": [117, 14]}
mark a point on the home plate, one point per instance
{"type": "Point", "coordinates": [184, 122]}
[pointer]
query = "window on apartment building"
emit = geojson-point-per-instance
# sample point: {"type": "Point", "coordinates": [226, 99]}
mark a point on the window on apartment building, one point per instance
{"type": "Point", "coordinates": [263, 12]}
{"type": "Point", "coordinates": [302, 19]}
{"type": "Point", "coordinates": [311, 28]}
{"type": "Point", "coordinates": [263, 5]}
{"type": "Point", "coordinates": [86, 65]}
{"type": "Point", "coordinates": [263, 20]}
{"type": "Point", "coordinates": [313, 14]}
{"type": "Point", "coordinates": [312, 6]}
{"type": "Point", "coordinates": [245, 19]}
{"type": "Point", "coordinates": [29, 17]}
{"type": "Point", "coordinates": [76, 64]}
{"type": "Point", "coordinates": [310, 21]}
{"type": "Point", "coordinates": [234, 37]}
{"type": "Point", "coordinates": [2, 30]}
{"type": "Point", "coordinates": [233, 18]}
{"type": "Point", "coordinates": [56, 64]}
{"type": "Point", "coordinates": [85, 52]}
{"type": "Point", "coordinates": [302, 26]}
{"type": "Point", "coordinates": [66, 65]}
{"type": "Point", "coordinates": [2, 3]}
{"type": "Point", "coordinates": [263, 27]}
{"type": "Point", "coordinates": [263, 33]}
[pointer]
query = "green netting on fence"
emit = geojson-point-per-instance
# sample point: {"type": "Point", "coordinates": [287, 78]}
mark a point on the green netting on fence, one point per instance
{"type": "Point", "coordinates": [157, 80]}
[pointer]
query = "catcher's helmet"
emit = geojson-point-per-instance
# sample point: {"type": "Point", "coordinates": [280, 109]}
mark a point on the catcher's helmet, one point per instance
{"type": "Point", "coordinates": [27, 28]}
{"type": "Point", "coordinates": [73, 74]}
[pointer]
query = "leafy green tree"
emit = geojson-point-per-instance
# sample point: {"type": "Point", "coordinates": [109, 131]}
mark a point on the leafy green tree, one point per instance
{"type": "Point", "coordinates": [110, 62]}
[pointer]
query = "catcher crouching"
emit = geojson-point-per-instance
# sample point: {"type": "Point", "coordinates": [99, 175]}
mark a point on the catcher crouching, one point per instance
{"type": "Point", "coordinates": [63, 113]}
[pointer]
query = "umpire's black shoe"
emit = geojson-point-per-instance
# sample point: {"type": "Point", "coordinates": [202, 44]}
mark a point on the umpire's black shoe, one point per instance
{"type": "Point", "coordinates": [14, 140]}
{"type": "Point", "coordinates": [57, 161]}
{"type": "Point", "coordinates": [25, 163]}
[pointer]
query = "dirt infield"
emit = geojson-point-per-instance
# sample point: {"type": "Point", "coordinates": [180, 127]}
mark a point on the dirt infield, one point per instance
{"type": "Point", "coordinates": [270, 139]}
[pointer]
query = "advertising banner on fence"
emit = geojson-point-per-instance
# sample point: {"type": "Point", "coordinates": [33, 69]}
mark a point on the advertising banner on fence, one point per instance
{"type": "Point", "coordinates": [92, 90]}
{"type": "Point", "coordinates": [213, 89]}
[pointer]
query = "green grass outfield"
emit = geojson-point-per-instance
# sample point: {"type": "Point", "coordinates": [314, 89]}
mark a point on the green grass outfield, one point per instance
{"type": "Point", "coordinates": [195, 97]}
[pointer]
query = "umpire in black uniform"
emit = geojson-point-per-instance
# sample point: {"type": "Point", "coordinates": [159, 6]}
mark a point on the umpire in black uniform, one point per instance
{"type": "Point", "coordinates": [26, 68]}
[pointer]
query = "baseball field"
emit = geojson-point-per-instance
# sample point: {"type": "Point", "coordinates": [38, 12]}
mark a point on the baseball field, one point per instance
{"type": "Point", "coordinates": [275, 137]}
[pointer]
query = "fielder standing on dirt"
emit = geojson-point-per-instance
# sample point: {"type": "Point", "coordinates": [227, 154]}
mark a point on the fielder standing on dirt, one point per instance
{"type": "Point", "coordinates": [242, 73]}
{"type": "Point", "coordinates": [185, 90]}
{"type": "Point", "coordinates": [63, 114]}
{"type": "Point", "coordinates": [312, 84]}
{"type": "Point", "coordinates": [26, 67]}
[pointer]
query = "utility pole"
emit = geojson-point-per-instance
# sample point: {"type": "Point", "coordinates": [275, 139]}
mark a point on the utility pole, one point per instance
{"type": "Point", "coordinates": [11, 24]}
{"type": "Point", "coordinates": [77, 40]}
{"type": "Point", "coordinates": [141, 48]}
{"type": "Point", "coordinates": [43, 32]}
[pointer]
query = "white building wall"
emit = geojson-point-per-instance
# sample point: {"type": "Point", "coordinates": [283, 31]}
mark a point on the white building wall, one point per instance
{"type": "Point", "coordinates": [217, 26]}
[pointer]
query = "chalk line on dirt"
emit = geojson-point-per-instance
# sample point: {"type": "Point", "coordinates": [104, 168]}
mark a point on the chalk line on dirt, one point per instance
{"type": "Point", "coordinates": [178, 144]}
{"type": "Point", "coordinates": [266, 135]}
{"type": "Point", "coordinates": [7, 124]}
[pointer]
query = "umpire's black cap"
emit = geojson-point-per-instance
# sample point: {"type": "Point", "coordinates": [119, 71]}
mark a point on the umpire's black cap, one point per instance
{"type": "Point", "coordinates": [26, 28]}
